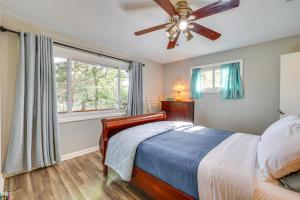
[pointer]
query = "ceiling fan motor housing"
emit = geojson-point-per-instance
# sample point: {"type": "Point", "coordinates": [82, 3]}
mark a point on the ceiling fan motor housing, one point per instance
{"type": "Point", "coordinates": [183, 9]}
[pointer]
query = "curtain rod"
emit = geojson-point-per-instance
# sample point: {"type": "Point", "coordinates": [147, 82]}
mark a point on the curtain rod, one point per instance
{"type": "Point", "coordinates": [3, 29]}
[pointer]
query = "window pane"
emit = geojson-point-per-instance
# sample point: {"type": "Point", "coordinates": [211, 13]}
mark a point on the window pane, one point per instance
{"type": "Point", "coordinates": [217, 78]}
{"type": "Point", "coordinates": [61, 81]}
{"type": "Point", "coordinates": [206, 79]}
{"type": "Point", "coordinates": [94, 87]}
{"type": "Point", "coordinates": [124, 85]}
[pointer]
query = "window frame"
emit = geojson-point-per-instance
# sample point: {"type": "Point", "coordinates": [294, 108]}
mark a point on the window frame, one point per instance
{"type": "Point", "coordinates": [215, 66]}
{"type": "Point", "coordinates": [76, 56]}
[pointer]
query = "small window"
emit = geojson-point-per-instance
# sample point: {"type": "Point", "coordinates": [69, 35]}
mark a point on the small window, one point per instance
{"type": "Point", "coordinates": [211, 78]}
{"type": "Point", "coordinates": [88, 87]}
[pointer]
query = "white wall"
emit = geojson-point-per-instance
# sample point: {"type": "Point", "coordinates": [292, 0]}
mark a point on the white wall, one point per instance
{"type": "Point", "coordinates": [1, 67]}
{"type": "Point", "coordinates": [258, 109]}
{"type": "Point", "coordinates": [75, 136]}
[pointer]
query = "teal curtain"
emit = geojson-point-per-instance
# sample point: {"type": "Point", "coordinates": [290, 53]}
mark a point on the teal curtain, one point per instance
{"type": "Point", "coordinates": [232, 85]}
{"type": "Point", "coordinates": [195, 87]}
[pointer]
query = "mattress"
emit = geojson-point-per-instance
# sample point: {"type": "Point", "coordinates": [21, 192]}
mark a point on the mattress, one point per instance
{"type": "Point", "coordinates": [174, 156]}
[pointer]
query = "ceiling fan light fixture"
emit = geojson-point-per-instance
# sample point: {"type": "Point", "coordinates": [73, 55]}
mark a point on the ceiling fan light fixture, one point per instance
{"type": "Point", "coordinates": [174, 36]}
{"type": "Point", "coordinates": [168, 33]}
{"type": "Point", "coordinates": [183, 25]}
{"type": "Point", "coordinates": [172, 32]}
{"type": "Point", "coordinates": [188, 35]}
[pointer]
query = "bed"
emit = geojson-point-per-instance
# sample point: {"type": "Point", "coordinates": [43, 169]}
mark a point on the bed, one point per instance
{"type": "Point", "coordinates": [167, 166]}
{"type": "Point", "coordinates": [153, 186]}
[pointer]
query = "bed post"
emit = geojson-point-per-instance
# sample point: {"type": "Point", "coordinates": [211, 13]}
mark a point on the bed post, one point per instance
{"type": "Point", "coordinates": [103, 145]}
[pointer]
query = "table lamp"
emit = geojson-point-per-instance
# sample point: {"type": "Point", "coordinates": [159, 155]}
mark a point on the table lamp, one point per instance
{"type": "Point", "coordinates": [178, 89]}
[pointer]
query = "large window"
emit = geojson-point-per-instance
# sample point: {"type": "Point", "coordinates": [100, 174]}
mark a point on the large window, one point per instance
{"type": "Point", "coordinates": [61, 65]}
{"type": "Point", "coordinates": [87, 86]}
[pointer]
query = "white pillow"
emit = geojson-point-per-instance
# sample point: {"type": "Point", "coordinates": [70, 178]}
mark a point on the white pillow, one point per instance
{"type": "Point", "coordinates": [280, 122]}
{"type": "Point", "coordinates": [278, 152]}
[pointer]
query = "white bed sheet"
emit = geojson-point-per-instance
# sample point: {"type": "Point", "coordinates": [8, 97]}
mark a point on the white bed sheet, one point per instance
{"type": "Point", "coordinates": [230, 172]}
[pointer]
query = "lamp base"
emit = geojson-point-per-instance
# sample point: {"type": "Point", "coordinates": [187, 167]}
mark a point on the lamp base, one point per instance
{"type": "Point", "coordinates": [178, 97]}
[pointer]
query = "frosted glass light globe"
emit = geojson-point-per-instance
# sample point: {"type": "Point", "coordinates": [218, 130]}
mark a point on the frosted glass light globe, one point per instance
{"type": "Point", "coordinates": [183, 25]}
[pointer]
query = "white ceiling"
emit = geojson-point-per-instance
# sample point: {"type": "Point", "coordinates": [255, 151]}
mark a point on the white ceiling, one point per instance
{"type": "Point", "coordinates": [111, 23]}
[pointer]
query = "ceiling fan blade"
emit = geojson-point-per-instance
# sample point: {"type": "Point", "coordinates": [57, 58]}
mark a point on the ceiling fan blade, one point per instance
{"type": "Point", "coordinates": [173, 43]}
{"type": "Point", "coordinates": [148, 30]}
{"type": "Point", "coordinates": [206, 32]}
{"type": "Point", "coordinates": [214, 8]}
{"type": "Point", "coordinates": [136, 6]}
{"type": "Point", "coordinates": [167, 6]}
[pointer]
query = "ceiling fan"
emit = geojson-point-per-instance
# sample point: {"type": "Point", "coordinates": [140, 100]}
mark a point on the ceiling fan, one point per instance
{"type": "Point", "coordinates": [182, 19]}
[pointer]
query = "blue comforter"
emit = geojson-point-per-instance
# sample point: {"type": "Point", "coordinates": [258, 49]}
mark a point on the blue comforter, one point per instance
{"type": "Point", "coordinates": [174, 156]}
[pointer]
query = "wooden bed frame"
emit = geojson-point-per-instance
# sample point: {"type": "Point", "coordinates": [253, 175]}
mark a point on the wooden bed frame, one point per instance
{"type": "Point", "coordinates": [153, 186]}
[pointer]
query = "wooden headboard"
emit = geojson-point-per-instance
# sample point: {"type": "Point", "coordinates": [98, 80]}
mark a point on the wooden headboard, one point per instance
{"type": "Point", "coordinates": [111, 127]}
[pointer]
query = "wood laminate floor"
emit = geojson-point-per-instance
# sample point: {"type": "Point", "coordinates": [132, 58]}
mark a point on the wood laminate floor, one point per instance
{"type": "Point", "coordinates": [75, 179]}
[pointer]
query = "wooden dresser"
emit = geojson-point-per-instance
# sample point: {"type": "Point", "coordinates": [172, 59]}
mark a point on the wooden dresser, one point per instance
{"type": "Point", "coordinates": [178, 110]}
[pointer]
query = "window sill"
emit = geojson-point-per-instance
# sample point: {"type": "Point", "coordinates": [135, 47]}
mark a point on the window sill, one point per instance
{"type": "Point", "coordinates": [211, 92]}
{"type": "Point", "coordinates": [65, 118]}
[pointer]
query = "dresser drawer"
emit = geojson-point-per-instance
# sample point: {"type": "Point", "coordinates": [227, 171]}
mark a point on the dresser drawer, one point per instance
{"type": "Point", "coordinates": [166, 106]}
{"type": "Point", "coordinates": [178, 111]}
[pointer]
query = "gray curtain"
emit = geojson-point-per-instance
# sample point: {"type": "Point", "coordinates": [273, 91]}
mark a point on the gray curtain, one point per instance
{"type": "Point", "coordinates": [135, 96]}
{"type": "Point", "coordinates": [34, 141]}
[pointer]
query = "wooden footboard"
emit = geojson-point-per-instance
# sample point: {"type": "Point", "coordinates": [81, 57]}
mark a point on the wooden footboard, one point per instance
{"type": "Point", "coordinates": [112, 126]}
{"type": "Point", "coordinates": [154, 187]}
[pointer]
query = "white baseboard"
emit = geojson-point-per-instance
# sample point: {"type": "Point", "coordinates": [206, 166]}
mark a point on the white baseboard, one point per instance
{"type": "Point", "coordinates": [79, 153]}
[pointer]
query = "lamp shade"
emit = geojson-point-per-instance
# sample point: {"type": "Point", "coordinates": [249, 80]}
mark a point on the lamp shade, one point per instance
{"type": "Point", "coordinates": [179, 88]}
